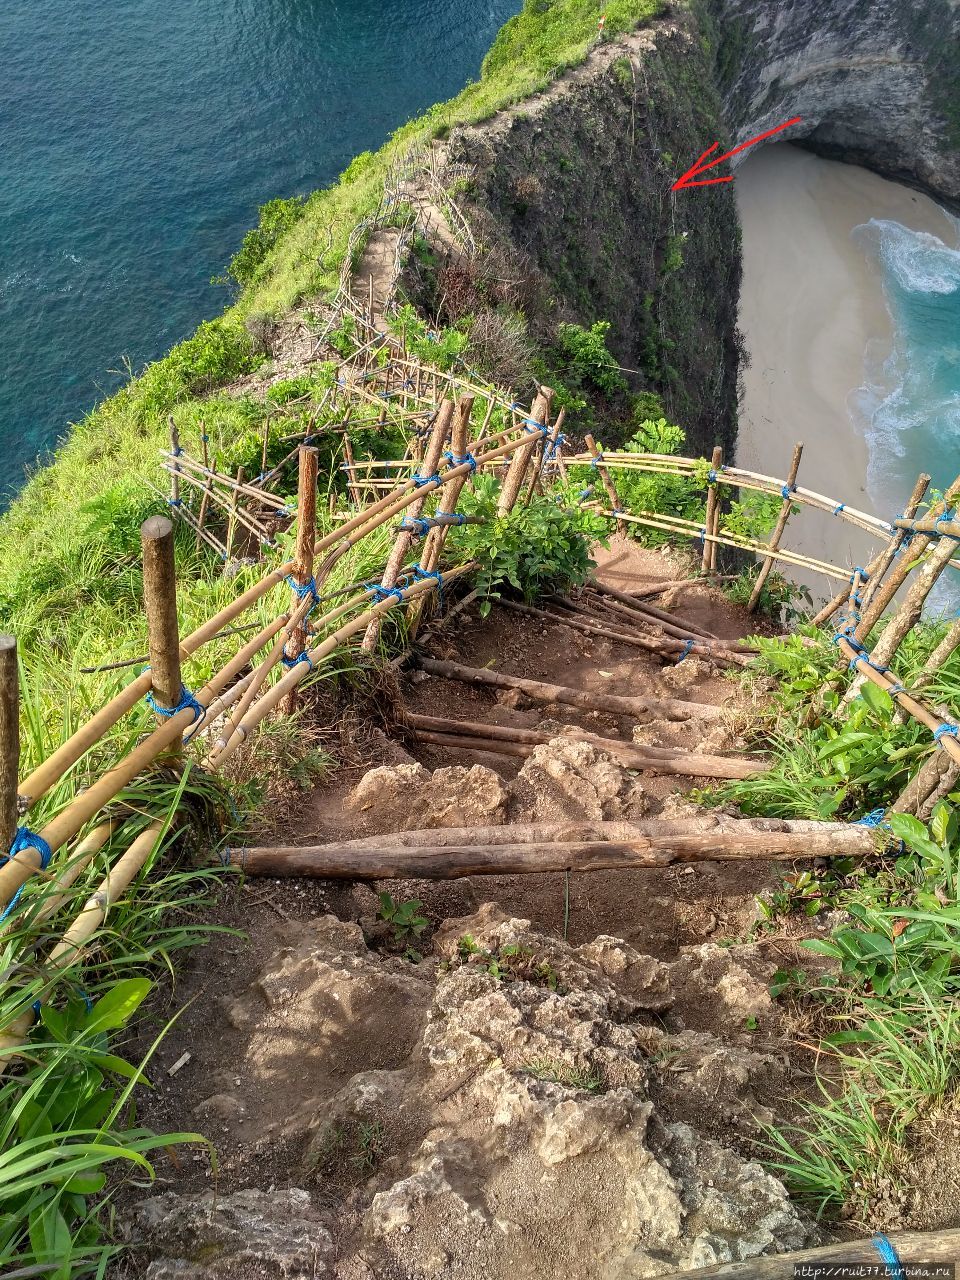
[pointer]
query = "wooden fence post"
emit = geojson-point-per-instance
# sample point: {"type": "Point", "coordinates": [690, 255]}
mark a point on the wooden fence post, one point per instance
{"type": "Point", "coordinates": [606, 480]}
{"type": "Point", "coordinates": [9, 740]}
{"type": "Point", "coordinates": [778, 528]}
{"type": "Point", "coordinates": [176, 450]}
{"type": "Point", "coordinates": [302, 574]}
{"type": "Point", "coordinates": [160, 606]}
{"type": "Point", "coordinates": [232, 517]}
{"type": "Point", "coordinates": [513, 480]}
{"type": "Point", "coordinates": [708, 560]}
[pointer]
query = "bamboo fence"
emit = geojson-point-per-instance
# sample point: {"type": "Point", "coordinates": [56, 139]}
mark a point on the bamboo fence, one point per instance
{"type": "Point", "coordinates": [438, 410]}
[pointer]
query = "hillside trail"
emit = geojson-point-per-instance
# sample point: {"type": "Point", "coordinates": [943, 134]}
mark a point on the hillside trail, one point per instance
{"type": "Point", "coordinates": [309, 1035]}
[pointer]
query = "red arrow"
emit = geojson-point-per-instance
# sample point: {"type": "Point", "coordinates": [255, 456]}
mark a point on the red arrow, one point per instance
{"type": "Point", "coordinates": [700, 167]}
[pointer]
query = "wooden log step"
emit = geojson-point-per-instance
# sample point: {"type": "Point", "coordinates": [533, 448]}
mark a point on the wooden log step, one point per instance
{"type": "Point", "coordinates": [471, 735]}
{"type": "Point", "coordinates": [913, 1248]}
{"type": "Point", "coordinates": [635, 707]}
{"type": "Point", "coordinates": [637, 606]}
{"type": "Point", "coordinates": [669, 845]}
{"type": "Point", "coordinates": [663, 647]}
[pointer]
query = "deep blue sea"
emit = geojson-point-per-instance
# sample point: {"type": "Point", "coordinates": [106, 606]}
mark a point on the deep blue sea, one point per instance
{"type": "Point", "coordinates": [137, 139]}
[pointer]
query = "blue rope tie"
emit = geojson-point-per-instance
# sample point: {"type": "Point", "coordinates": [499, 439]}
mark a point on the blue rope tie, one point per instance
{"type": "Point", "coordinates": [461, 460]}
{"type": "Point", "coordinates": [177, 451]}
{"type": "Point", "coordinates": [875, 818]}
{"type": "Point", "coordinates": [24, 838]}
{"type": "Point", "coordinates": [426, 575]}
{"type": "Point", "coordinates": [205, 439]}
{"type": "Point", "coordinates": [553, 447]}
{"type": "Point", "coordinates": [945, 731]}
{"type": "Point", "coordinates": [174, 502]}
{"type": "Point", "coordinates": [786, 490]}
{"type": "Point", "coordinates": [584, 493]}
{"type": "Point", "coordinates": [419, 480]}
{"type": "Point", "coordinates": [595, 462]}
{"type": "Point", "coordinates": [702, 536]}
{"type": "Point", "coordinates": [687, 646]}
{"type": "Point", "coordinates": [415, 526]}
{"type": "Point", "coordinates": [946, 518]}
{"type": "Point", "coordinates": [711, 476]}
{"type": "Point", "coordinates": [534, 427]}
{"type": "Point", "coordinates": [864, 576]}
{"type": "Point", "coordinates": [381, 593]}
{"type": "Point", "coordinates": [187, 702]}
{"type": "Point", "coordinates": [896, 688]}
{"type": "Point", "coordinates": [302, 590]}
{"type": "Point", "coordinates": [302, 656]}
{"type": "Point", "coordinates": [889, 1257]}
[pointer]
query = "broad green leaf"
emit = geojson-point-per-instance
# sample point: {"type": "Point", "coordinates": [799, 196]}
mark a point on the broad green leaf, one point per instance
{"type": "Point", "coordinates": [117, 1007]}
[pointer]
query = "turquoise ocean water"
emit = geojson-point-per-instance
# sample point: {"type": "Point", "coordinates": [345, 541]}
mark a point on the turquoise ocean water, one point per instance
{"type": "Point", "coordinates": [138, 139]}
{"type": "Point", "coordinates": [909, 406]}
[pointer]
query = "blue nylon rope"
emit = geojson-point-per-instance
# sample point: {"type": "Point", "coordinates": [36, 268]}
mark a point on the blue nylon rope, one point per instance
{"type": "Point", "coordinates": [419, 480]}
{"type": "Point", "coordinates": [787, 489]}
{"type": "Point", "coordinates": [461, 459]}
{"type": "Point", "coordinates": [425, 575]}
{"type": "Point", "coordinates": [24, 838]}
{"type": "Point", "coordinates": [888, 1256]}
{"type": "Point", "coordinates": [946, 731]}
{"type": "Point", "coordinates": [187, 702]}
{"type": "Point", "coordinates": [687, 646]}
{"type": "Point", "coordinates": [381, 593]}
{"type": "Point", "coordinates": [302, 656]}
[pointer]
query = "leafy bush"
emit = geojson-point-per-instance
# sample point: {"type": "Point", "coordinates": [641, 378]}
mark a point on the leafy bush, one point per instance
{"type": "Point", "coordinates": [583, 355]}
{"type": "Point", "coordinates": [276, 218]}
{"type": "Point", "coordinates": [535, 549]}
{"type": "Point", "coordinates": [217, 353]}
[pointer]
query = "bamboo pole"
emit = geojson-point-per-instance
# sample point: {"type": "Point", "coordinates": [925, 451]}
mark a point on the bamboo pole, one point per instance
{"type": "Point", "coordinates": [83, 855]}
{"type": "Point", "coordinates": [9, 740]}
{"type": "Point", "coordinates": [70, 947]}
{"type": "Point", "coordinates": [447, 862]}
{"type": "Point", "coordinates": [513, 481]}
{"type": "Point", "coordinates": [889, 577]}
{"type": "Point", "coordinates": [676, 524]}
{"type": "Point", "coordinates": [708, 558]}
{"type": "Point", "coordinates": [232, 507]}
{"type": "Point", "coordinates": [778, 529]}
{"type": "Point", "coordinates": [910, 610]}
{"type": "Point", "coordinates": [637, 620]}
{"type": "Point", "coordinates": [232, 518]}
{"type": "Point", "coordinates": [404, 541]}
{"type": "Point", "coordinates": [302, 574]}
{"type": "Point", "coordinates": [635, 707]}
{"type": "Point", "coordinates": [352, 489]}
{"type": "Point", "coordinates": [71, 820]}
{"type": "Point", "coordinates": [447, 506]}
{"type": "Point", "coordinates": [272, 698]}
{"type": "Point", "coordinates": [160, 606]}
{"type": "Point", "coordinates": [897, 542]}
{"type": "Point", "coordinates": [176, 450]}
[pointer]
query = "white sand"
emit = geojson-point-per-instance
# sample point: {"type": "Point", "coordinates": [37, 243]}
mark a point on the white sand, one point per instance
{"type": "Point", "coordinates": [810, 305]}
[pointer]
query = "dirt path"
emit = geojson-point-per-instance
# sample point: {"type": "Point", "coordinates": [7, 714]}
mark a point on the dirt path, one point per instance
{"type": "Point", "coordinates": [319, 1067]}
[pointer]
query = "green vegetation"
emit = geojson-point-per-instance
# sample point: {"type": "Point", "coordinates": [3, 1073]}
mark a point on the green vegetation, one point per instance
{"type": "Point", "coordinates": [510, 962]}
{"type": "Point", "coordinates": [536, 548]}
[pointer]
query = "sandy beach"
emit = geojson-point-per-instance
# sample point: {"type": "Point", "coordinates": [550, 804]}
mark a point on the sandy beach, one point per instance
{"type": "Point", "coordinates": [811, 305]}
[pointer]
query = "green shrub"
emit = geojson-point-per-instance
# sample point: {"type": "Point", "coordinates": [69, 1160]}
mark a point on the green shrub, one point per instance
{"type": "Point", "coordinates": [583, 354]}
{"type": "Point", "coordinates": [217, 353]}
{"type": "Point", "coordinates": [535, 549]}
{"type": "Point", "coordinates": [276, 218]}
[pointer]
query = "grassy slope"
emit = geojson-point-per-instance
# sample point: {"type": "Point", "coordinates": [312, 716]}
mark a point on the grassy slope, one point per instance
{"type": "Point", "coordinates": [47, 533]}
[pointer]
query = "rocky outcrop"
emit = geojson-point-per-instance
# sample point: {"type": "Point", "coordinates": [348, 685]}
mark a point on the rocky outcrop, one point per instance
{"type": "Point", "coordinates": [511, 1108]}
{"type": "Point", "coordinates": [876, 82]}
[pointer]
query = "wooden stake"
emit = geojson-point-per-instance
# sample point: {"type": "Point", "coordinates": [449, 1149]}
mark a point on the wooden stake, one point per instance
{"type": "Point", "coordinates": [785, 508]}
{"type": "Point", "coordinates": [9, 740]}
{"type": "Point", "coordinates": [303, 556]}
{"type": "Point", "coordinates": [633, 605]}
{"type": "Point", "coordinates": [709, 557]}
{"type": "Point", "coordinates": [513, 481]}
{"type": "Point", "coordinates": [232, 520]}
{"type": "Point", "coordinates": [605, 479]}
{"type": "Point", "coordinates": [352, 489]}
{"type": "Point", "coordinates": [160, 605]}
{"type": "Point", "coordinates": [880, 589]}
{"type": "Point", "coordinates": [174, 476]}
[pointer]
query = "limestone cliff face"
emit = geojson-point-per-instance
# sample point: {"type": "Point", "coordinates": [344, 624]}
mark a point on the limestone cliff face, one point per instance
{"type": "Point", "coordinates": [877, 82]}
{"type": "Point", "coordinates": [578, 180]}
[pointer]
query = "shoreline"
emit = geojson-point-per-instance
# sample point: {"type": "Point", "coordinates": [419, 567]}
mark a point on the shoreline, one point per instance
{"type": "Point", "coordinates": [813, 317]}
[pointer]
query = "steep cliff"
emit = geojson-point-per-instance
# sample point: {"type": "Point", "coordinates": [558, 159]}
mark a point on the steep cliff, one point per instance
{"type": "Point", "coordinates": [877, 82]}
{"type": "Point", "coordinates": [578, 179]}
